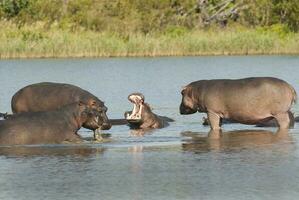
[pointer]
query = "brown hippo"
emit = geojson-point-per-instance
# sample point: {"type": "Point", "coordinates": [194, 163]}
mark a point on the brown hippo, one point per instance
{"type": "Point", "coordinates": [49, 96]}
{"type": "Point", "coordinates": [48, 127]}
{"type": "Point", "coordinates": [142, 117]}
{"type": "Point", "coordinates": [247, 101]}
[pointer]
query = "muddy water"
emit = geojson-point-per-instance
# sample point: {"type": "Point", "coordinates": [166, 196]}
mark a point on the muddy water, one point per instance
{"type": "Point", "coordinates": [182, 161]}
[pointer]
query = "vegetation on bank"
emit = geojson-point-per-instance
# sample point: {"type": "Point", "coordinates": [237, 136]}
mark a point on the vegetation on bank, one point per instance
{"type": "Point", "coordinates": [102, 28]}
{"type": "Point", "coordinates": [33, 41]}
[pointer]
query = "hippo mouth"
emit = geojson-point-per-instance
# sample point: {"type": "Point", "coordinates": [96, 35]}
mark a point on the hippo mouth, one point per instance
{"type": "Point", "coordinates": [103, 126]}
{"type": "Point", "coordinates": [135, 116]}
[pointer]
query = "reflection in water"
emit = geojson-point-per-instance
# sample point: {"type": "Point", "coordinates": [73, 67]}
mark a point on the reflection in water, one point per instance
{"type": "Point", "coordinates": [140, 132]}
{"type": "Point", "coordinates": [137, 170]}
{"type": "Point", "coordinates": [233, 140]}
{"type": "Point", "coordinates": [137, 157]}
{"type": "Point", "coordinates": [24, 151]}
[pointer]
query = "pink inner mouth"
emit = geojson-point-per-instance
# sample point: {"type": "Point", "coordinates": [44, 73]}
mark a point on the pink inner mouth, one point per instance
{"type": "Point", "coordinates": [137, 100]}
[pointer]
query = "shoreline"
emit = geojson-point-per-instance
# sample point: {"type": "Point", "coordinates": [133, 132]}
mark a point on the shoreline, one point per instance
{"type": "Point", "coordinates": [146, 55]}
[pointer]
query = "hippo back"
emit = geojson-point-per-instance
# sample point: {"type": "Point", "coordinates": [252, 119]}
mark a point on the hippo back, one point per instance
{"type": "Point", "coordinates": [45, 127]}
{"type": "Point", "coordinates": [48, 96]}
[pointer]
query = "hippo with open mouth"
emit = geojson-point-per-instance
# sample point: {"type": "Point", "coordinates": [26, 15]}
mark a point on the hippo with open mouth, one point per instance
{"type": "Point", "coordinates": [142, 117]}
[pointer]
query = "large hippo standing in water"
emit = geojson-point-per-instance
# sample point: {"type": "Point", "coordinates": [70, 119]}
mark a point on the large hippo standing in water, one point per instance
{"type": "Point", "coordinates": [49, 96]}
{"type": "Point", "coordinates": [142, 117]}
{"type": "Point", "coordinates": [247, 101]}
{"type": "Point", "coordinates": [47, 127]}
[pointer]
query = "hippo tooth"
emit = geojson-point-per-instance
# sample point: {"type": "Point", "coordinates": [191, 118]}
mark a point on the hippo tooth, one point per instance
{"type": "Point", "coordinates": [134, 110]}
{"type": "Point", "coordinates": [140, 110]}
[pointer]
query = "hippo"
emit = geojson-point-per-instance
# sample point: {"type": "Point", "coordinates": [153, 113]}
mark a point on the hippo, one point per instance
{"type": "Point", "coordinates": [142, 117]}
{"type": "Point", "coordinates": [48, 127]}
{"type": "Point", "coordinates": [249, 101]}
{"type": "Point", "coordinates": [49, 96]}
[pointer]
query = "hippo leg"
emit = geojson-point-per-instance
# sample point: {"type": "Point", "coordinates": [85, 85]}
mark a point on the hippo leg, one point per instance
{"type": "Point", "coordinates": [214, 120]}
{"type": "Point", "coordinates": [283, 120]}
{"type": "Point", "coordinates": [97, 135]}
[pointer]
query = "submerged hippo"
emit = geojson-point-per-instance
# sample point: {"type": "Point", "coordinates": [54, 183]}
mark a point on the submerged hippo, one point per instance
{"type": "Point", "coordinates": [49, 96]}
{"type": "Point", "coordinates": [142, 117]}
{"type": "Point", "coordinates": [48, 127]}
{"type": "Point", "coordinates": [247, 101]}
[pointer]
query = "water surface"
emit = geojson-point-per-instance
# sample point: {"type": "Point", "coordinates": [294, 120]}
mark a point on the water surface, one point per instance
{"type": "Point", "coordinates": [181, 161]}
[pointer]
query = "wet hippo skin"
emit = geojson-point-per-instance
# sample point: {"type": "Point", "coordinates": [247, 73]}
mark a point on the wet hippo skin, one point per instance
{"type": "Point", "coordinates": [248, 101]}
{"type": "Point", "coordinates": [49, 96]}
{"type": "Point", "coordinates": [47, 127]}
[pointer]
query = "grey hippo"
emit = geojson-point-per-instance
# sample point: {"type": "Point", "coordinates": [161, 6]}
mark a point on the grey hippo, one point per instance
{"type": "Point", "coordinates": [47, 96]}
{"type": "Point", "coordinates": [48, 127]}
{"type": "Point", "coordinates": [249, 101]}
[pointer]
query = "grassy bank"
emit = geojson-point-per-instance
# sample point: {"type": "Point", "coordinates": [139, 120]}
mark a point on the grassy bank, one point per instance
{"type": "Point", "coordinates": [35, 42]}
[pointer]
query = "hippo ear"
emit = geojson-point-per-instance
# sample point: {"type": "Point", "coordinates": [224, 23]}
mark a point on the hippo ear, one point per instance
{"type": "Point", "coordinates": [183, 89]}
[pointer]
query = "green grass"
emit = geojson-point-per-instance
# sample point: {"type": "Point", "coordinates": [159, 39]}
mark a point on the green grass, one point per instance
{"type": "Point", "coordinates": [36, 42]}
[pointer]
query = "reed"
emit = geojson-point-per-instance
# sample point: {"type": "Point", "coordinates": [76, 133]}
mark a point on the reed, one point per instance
{"type": "Point", "coordinates": [35, 41]}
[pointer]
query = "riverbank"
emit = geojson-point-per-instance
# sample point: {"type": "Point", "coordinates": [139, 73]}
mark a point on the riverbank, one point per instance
{"type": "Point", "coordinates": [37, 42]}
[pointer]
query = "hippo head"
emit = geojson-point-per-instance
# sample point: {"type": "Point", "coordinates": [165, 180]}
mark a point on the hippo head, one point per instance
{"type": "Point", "coordinates": [97, 108]}
{"type": "Point", "coordinates": [86, 116]}
{"type": "Point", "coordinates": [188, 104]}
{"type": "Point", "coordinates": [135, 116]}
